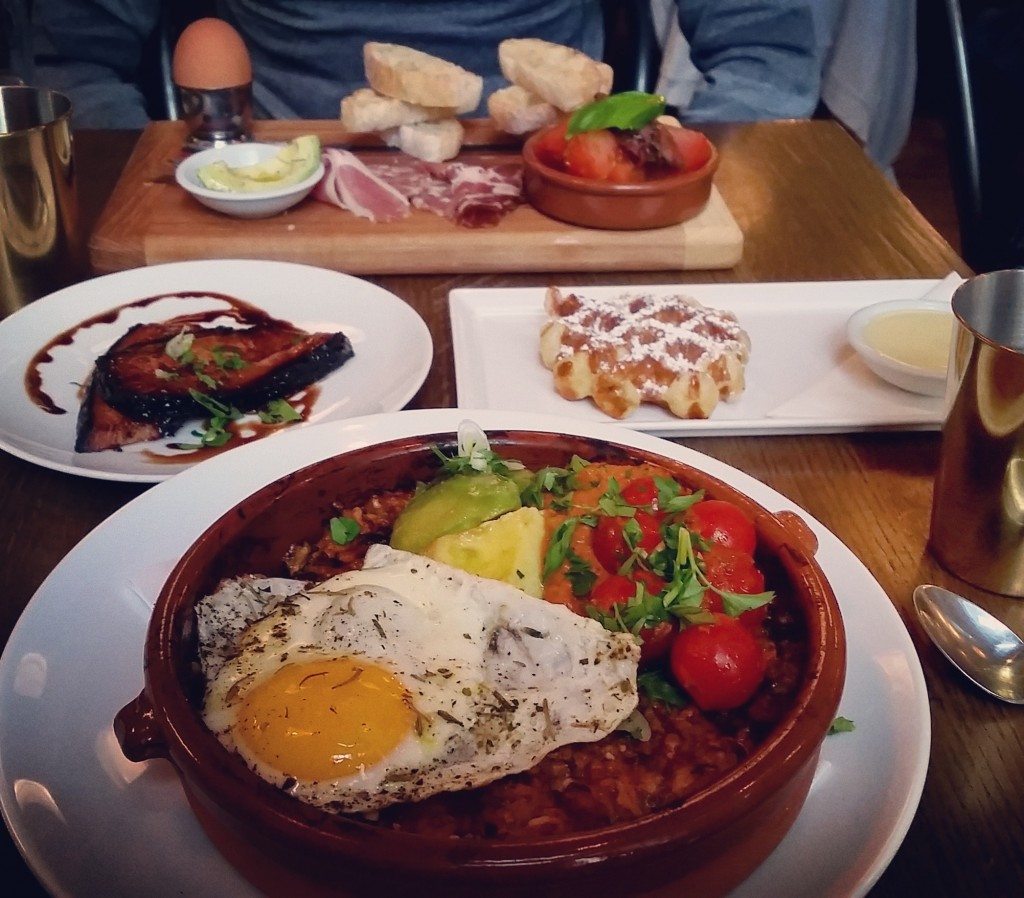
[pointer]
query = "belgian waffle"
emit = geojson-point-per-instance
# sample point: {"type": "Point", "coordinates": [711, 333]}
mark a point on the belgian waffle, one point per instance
{"type": "Point", "coordinates": [636, 348]}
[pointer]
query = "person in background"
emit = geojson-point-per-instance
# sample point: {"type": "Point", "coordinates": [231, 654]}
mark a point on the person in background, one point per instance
{"type": "Point", "coordinates": [758, 58]}
{"type": "Point", "coordinates": [867, 50]}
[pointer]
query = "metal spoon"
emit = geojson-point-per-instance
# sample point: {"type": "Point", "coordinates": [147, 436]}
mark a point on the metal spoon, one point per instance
{"type": "Point", "coordinates": [985, 650]}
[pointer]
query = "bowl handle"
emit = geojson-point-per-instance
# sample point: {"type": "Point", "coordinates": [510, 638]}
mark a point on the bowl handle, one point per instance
{"type": "Point", "coordinates": [798, 528]}
{"type": "Point", "coordinates": [137, 732]}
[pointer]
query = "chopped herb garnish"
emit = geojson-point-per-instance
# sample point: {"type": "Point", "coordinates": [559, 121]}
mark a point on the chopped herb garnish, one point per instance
{"type": "Point", "coordinates": [580, 574]}
{"type": "Point", "coordinates": [227, 358]}
{"type": "Point", "coordinates": [279, 411]}
{"type": "Point", "coordinates": [344, 530]}
{"type": "Point", "coordinates": [669, 499]}
{"type": "Point", "coordinates": [659, 688]}
{"type": "Point", "coordinates": [558, 548]}
{"type": "Point", "coordinates": [612, 503]}
{"type": "Point", "coordinates": [841, 725]}
{"type": "Point", "coordinates": [179, 346]}
{"type": "Point", "coordinates": [166, 375]}
{"type": "Point", "coordinates": [215, 433]}
{"type": "Point", "coordinates": [204, 378]}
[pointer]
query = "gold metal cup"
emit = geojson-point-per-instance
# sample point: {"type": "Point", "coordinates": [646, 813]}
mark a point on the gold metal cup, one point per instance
{"type": "Point", "coordinates": [41, 247]}
{"type": "Point", "coordinates": [977, 525]}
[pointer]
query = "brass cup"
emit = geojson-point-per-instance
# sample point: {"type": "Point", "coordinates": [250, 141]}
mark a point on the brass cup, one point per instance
{"type": "Point", "coordinates": [41, 248]}
{"type": "Point", "coordinates": [977, 524]}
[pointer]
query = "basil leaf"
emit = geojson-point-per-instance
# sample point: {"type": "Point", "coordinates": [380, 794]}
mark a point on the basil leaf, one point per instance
{"type": "Point", "coordinates": [658, 688]}
{"type": "Point", "coordinates": [344, 530]}
{"type": "Point", "coordinates": [841, 725]}
{"type": "Point", "coordinates": [627, 111]}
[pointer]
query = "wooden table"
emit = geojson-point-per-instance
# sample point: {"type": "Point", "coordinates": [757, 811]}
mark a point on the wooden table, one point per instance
{"type": "Point", "coordinates": [812, 208]}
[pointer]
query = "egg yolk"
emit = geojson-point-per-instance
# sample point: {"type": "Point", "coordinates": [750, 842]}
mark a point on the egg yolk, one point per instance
{"type": "Point", "coordinates": [325, 719]}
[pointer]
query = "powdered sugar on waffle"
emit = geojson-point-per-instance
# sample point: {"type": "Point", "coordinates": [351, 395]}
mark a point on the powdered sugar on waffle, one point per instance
{"type": "Point", "coordinates": [652, 340]}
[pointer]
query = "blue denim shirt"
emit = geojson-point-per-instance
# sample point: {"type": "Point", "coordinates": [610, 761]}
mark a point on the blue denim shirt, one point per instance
{"type": "Point", "coordinates": [758, 57]}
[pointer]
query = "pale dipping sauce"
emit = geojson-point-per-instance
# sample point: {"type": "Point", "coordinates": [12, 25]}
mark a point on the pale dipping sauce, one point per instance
{"type": "Point", "coordinates": [918, 337]}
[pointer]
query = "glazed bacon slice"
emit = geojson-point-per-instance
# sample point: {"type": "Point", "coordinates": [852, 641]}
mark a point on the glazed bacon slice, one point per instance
{"type": "Point", "coordinates": [137, 392]}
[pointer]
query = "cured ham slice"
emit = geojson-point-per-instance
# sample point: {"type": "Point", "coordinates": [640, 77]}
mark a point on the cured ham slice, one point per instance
{"type": "Point", "coordinates": [473, 196]}
{"type": "Point", "coordinates": [350, 184]}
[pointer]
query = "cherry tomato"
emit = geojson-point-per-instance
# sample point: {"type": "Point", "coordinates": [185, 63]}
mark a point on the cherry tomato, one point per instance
{"type": "Point", "coordinates": [592, 154]}
{"type": "Point", "coordinates": [642, 491]}
{"type": "Point", "coordinates": [610, 545]}
{"type": "Point", "coordinates": [693, 149]}
{"type": "Point", "coordinates": [656, 642]}
{"type": "Point", "coordinates": [550, 145]}
{"type": "Point", "coordinates": [724, 524]}
{"type": "Point", "coordinates": [626, 172]}
{"type": "Point", "coordinates": [733, 571]}
{"type": "Point", "coordinates": [719, 664]}
{"type": "Point", "coordinates": [613, 590]}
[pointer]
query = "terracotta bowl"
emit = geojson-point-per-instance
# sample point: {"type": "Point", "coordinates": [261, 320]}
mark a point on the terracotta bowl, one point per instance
{"type": "Point", "coordinates": [617, 207]}
{"type": "Point", "coordinates": [705, 846]}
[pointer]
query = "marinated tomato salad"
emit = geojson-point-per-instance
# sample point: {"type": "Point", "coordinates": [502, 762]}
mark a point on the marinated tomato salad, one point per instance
{"type": "Point", "coordinates": [639, 551]}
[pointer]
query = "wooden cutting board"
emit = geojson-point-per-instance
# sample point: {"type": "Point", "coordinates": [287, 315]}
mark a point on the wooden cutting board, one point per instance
{"type": "Point", "coordinates": [149, 219]}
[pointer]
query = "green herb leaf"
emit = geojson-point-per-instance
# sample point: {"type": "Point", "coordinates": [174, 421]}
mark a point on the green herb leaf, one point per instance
{"type": "Point", "coordinates": [558, 548]}
{"type": "Point", "coordinates": [165, 375]}
{"type": "Point", "coordinates": [344, 530]}
{"type": "Point", "coordinates": [211, 405]}
{"type": "Point", "coordinates": [841, 725]}
{"type": "Point", "coordinates": [612, 503]}
{"type": "Point", "coordinates": [659, 688]}
{"type": "Point", "coordinates": [735, 603]}
{"type": "Point", "coordinates": [628, 111]}
{"type": "Point", "coordinates": [581, 575]}
{"type": "Point", "coordinates": [279, 411]}
{"type": "Point", "coordinates": [227, 358]}
{"type": "Point", "coordinates": [205, 379]}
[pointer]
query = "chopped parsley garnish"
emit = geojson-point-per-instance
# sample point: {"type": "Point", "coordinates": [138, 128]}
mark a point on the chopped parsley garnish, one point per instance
{"type": "Point", "coordinates": [841, 725]}
{"type": "Point", "coordinates": [344, 530]}
{"type": "Point", "coordinates": [580, 574]}
{"type": "Point", "coordinates": [669, 499]}
{"type": "Point", "coordinates": [612, 503]}
{"type": "Point", "coordinates": [558, 548]}
{"type": "Point", "coordinates": [215, 433]}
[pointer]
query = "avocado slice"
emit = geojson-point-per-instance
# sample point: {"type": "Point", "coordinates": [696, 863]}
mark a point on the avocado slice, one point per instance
{"type": "Point", "coordinates": [295, 162]}
{"type": "Point", "coordinates": [451, 506]}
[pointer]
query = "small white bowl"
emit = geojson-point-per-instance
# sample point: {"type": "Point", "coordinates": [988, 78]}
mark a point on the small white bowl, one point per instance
{"type": "Point", "coordinates": [243, 205]}
{"type": "Point", "coordinates": [915, 378]}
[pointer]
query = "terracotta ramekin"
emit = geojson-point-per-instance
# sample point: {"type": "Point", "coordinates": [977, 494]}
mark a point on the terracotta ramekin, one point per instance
{"type": "Point", "coordinates": [704, 846]}
{"type": "Point", "coordinates": [617, 207]}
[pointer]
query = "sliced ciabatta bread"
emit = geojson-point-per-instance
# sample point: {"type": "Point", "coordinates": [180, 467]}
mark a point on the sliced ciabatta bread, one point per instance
{"type": "Point", "coordinates": [564, 77]}
{"type": "Point", "coordinates": [367, 110]}
{"type": "Point", "coordinates": [429, 141]}
{"type": "Point", "coordinates": [515, 110]}
{"type": "Point", "coordinates": [417, 77]}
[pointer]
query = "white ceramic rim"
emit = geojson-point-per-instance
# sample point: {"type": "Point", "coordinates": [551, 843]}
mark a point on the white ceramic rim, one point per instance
{"type": "Point", "coordinates": [184, 174]}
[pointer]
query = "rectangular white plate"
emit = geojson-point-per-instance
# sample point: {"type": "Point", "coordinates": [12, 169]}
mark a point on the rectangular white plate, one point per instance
{"type": "Point", "coordinates": [803, 375]}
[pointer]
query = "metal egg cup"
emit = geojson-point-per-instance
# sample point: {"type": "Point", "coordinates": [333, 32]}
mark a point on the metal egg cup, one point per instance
{"type": "Point", "coordinates": [216, 117]}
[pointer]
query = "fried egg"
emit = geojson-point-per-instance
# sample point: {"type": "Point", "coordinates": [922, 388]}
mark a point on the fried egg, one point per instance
{"type": "Point", "coordinates": [403, 679]}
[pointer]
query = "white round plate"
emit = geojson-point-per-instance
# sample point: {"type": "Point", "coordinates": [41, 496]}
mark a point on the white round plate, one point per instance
{"type": "Point", "coordinates": [393, 352]}
{"type": "Point", "coordinates": [90, 822]}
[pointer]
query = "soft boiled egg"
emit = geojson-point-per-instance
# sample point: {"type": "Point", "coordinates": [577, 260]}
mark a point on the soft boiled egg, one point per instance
{"type": "Point", "coordinates": [211, 55]}
{"type": "Point", "coordinates": [406, 678]}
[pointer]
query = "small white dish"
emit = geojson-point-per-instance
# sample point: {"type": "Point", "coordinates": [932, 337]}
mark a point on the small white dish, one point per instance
{"type": "Point", "coordinates": [899, 363]}
{"type": "Point", "coordinates": [243, 205]}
